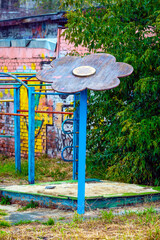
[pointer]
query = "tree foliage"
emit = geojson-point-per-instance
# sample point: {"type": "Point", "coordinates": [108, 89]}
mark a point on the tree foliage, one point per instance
{"type": "Point", "coordinates": [123, 123]}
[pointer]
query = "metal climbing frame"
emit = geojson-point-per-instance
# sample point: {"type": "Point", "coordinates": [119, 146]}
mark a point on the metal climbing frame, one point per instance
{"type": "Point", "coordinates": [31, 121]}
{"type": "Point", "coordinates": [16, 87]}
{"type": "Point", "coordinates": [75, 134]}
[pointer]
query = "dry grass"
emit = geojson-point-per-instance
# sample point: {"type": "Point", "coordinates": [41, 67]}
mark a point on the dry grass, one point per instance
{"type": "Point", "coordinates": [46, 170]}
{"type": "Point", "coordinates": [143, 225]}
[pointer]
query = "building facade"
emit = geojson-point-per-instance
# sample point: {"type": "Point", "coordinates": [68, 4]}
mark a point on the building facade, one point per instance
{"type": "Point", "coordinates": [28, 44]}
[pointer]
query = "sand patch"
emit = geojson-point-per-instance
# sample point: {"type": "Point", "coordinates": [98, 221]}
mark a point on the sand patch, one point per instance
{"type": "Point", "coordinates": [91, 189]}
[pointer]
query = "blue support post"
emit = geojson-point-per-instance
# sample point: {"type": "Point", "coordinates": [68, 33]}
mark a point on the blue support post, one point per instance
{"type": "Point", "coordinates": [31, 135]}
{"type": "Point", "coordinates": [17, 130]}
{"type": "Point", "coordinates": [82, 151]}
{"type": "Point", "coordinates": [75, 138]}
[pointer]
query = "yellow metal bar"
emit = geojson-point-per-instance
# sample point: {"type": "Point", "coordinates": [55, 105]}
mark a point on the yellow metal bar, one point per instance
{"type": "Point", "coordinates": [41, 90]}
{"type": "Point", "coordinates": [6, 100]}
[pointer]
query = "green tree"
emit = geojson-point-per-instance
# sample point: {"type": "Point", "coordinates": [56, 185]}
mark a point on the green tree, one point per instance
{"type": "Point", "coordinates": [123, 123]}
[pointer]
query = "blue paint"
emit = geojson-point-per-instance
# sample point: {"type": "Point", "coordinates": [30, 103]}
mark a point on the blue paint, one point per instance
{"type": "Point", "coordinates": [75, 137]}
{"type": "Point", "coordinates": [71, 203]}
{"type": "Point", "coordinates": [31, 135]}
{"type": "Point", "coordinates": [6, 136]}
{"type": "Point", "coordinates": [64, 122]}
{"type": "Point", "coordinates": [53, 93]}
{"type": "Point", "coordinates": [2, 74]}
{"type": "Point", "coordinates": [43, 200]}
{"type": "Point", "coordinates": [17, 130]}
{"type": "Point", "coordinates": [82, 151]}
{"type": "Point", "coordinates": [63, 158]}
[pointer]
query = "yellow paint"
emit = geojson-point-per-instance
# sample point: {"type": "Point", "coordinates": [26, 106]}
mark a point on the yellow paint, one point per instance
{"type": "Point", "coordinates": [6, 91]}
{"type": "Point", "coordinates": [43, 56]}
{"type": "Point", "coordinates": [5, 69]}
{"type": "Point", "coordinates": [6, 100]}
{"type": "Point", "coordinates": [40, 142]}
{"type": "Point", "coordinates": [12, 92]}
{"type": "Point", "coordinates": [24, 67]}
{"type": "Point", "coordinates": [1, 94]}
{"type": "Point", "coordinates": [33, 66]}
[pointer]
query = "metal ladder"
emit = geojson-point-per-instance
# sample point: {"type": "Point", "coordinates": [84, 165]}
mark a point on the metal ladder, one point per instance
{"type": "Point", "coordinates": [75, 133]}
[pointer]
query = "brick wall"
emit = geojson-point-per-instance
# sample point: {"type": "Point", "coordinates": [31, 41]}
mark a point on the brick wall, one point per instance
{"type": "Point", "coordinates": [26, 60]}
{"type": "Point", "coordinates": [65, 47]}
{"type": "Point", "coordinates": [49, 137]}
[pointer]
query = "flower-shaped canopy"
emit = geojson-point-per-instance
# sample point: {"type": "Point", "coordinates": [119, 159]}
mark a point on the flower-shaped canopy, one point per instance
{"type": "Point", "coordinates": [97, 72]}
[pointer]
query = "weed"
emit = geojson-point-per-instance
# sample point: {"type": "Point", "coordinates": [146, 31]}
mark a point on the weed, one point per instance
{"type": "Point", "coordinates": [32, 204]}
{"type": "Point", "coordinates": [6, 201]}
{"type": "Point", "coordinates": [107, 216]}
{"type": "Point", "coordinates": [22, 222]}
{"type": "Point", "coordinates": [3, 157]}
{"type": "Point", "coordinates": [3, 234]}
{"type": "Point", "coordinates": [3, 213]}
{"type": "Point", "coordinates": [58, 175]}
{"type": "Point", "coordinates": [153, 234]}
{"type": "Point", "coordinates": [147, 211]}
{"type": "Point", "coordinates": [77, 218]}
{"type": "Point", "coordinates": [47, 169]}
{"type": "Point", "coordinates": [50, 222]}
{"type": "Point", "coordinates": [61, 218]}
{"type": "Point", "coordinates": [4, 223]}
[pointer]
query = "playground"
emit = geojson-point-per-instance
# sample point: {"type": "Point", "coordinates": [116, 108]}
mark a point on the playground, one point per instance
{"type": "Point", "coordinates": [79, 192]}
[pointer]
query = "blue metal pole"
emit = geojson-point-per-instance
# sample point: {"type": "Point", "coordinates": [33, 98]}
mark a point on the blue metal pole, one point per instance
{"type": "Point", "coordinates": [17, 130]}
{"type": "Point", "coordinates": [82, 152]}
{"type": "Point", "coordinates": [31, 135]}
{"type": "Point", "coordinates": [75, 138]}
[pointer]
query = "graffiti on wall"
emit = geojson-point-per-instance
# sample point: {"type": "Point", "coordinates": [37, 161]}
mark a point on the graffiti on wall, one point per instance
{"type": "Point", "coordinates": [6, 122]}
{"type": "Point", "coordinates": [30, 31]}
{"type": "Point", "coordinates": [49, 137]}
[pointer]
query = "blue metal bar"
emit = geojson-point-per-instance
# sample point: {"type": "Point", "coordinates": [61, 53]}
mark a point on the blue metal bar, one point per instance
{"type": "Point", "coordinates": [18, 80]}
{"type": "Point", "coordinates": [75, 137]}
{"type": "Point", "coordinates": [17, 130]}
{"type": "Point", "coordinates": [64, 159]}
{"type": "Point", "coordinates": [31, 135]}
{"type": "Point", "coordinates": [64, 122]}
{"type": "Point", "coordinates": [6, 84]}
{"type": "Point", "coordinates": [6, 136]}
{"type": "Point", "coordinates": [82, 152]}
{"type": "Point", "coordinates": [39, 93]}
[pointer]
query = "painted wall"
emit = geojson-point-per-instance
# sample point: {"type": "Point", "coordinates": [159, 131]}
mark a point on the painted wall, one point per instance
{"type": "Point", "coordinates": [49, 137]}
{"type": "Point", "coordinates": [29, 31]}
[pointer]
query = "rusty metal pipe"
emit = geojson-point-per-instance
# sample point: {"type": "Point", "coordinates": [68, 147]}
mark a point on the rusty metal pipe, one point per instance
{"type": "Point", "coordinates": [39, 111]}
{"type": "Point", "coordinates": [14, 114]}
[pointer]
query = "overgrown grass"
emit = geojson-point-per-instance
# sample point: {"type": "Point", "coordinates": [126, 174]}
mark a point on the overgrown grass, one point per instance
{"type": "Point", "coordinates": [32, 204]}
{"type": "Point", "coordinates": [6, 200]}
{"type": "Point", "coordinates": [22, 222]}
{"type": "Point", "coordinates": [50, 222]}
{"type": "Point", "coordinates": [46, 169]}
{"type": "Point", "coordinates": [143, 225]}
{"type": "Point", "coordinates": [3, 213]}
{"type": "Point", "coordinates": [4, 223]}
